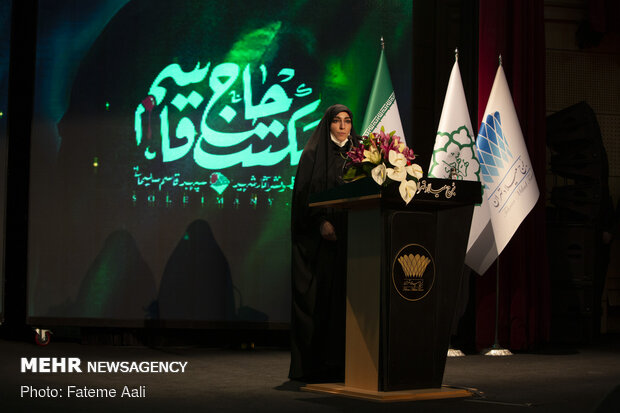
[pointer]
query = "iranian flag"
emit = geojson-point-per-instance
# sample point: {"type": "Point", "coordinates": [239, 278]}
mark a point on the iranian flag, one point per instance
{"type": "Point", "coordinates": [382, 109]}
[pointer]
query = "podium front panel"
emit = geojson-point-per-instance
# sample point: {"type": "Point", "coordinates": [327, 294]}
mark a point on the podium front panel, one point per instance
{"type": "Point", "coordinates": [364, 269]}
{"type": "Point", "coordinates": [421, 282]}
{"type": "Point", "coordinates": [410, 300]}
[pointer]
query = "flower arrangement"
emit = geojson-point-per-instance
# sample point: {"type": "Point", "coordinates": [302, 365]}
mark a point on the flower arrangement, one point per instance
{"type": "Point", "coordinates": [386, 158]}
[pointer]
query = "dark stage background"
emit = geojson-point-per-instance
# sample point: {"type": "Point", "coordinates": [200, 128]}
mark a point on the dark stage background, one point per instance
{"type": "Point", "coordinates": [5, 48]}
{"type": "Point", "coordinates": [165, 138]}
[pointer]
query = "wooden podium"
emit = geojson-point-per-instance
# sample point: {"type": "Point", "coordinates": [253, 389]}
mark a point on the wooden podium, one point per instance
{"type": "Point", "coordinates": [403, 276]}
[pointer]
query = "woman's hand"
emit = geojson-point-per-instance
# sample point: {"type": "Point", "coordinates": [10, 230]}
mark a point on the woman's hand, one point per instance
{"type": "Point", "coordinates": [328, 231]}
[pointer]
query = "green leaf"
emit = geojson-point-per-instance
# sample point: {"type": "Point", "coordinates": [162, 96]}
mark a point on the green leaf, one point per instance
{"type": "Point", "coordinates": [367, 168]}
{"type": "Point", "coordinates": [349, 174]}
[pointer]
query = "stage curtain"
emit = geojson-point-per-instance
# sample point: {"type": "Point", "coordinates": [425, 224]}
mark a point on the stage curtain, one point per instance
{"type": "Point", "coordinates": [515, 29]}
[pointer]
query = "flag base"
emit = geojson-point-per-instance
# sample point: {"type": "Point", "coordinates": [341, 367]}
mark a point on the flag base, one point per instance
{"type": "Point", "coordinates": [497, 350]}
{"type": "Point", "coordinates": [454, 352]}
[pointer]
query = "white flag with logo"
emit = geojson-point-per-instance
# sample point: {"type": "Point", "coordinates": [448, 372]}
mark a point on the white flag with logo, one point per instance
{"type": "Point", "coordinates": [510, 188]}
{"type": "Point", "coordinates": [454, 152]}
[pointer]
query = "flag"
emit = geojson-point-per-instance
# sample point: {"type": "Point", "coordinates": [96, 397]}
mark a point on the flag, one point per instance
{"type": "Point", "coordinates": [510, 188]}
{"type": "Point", "coordinates": [382, 109]}
{"type": "Point", "coordinates": [454, 154]}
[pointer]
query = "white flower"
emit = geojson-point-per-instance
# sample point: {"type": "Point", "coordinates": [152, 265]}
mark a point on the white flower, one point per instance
{"type": "Point", "coordinates": [408, 190]}
{"type": "Point", "coordinates": [378, 174]}
{"type": "Point", "coordinates": [372, 155]}
{"type": "Point", "coordinates": [397, 173]}
{"type": "Point", "coordinates": [397, 159]}
{"type": "Point", "coordinates": [415, 170]}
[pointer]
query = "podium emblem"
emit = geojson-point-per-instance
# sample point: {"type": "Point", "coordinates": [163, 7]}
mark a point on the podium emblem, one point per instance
{"type": "Point", "coordinates": [413, 272]}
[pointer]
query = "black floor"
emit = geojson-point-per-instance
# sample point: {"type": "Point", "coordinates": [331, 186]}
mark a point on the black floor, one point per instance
{"type": "Point", "coordinates": [586, 379]}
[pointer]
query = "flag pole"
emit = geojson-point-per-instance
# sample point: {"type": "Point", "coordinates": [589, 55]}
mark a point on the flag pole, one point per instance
{"type": "Point", "coordinates": [496, 349]}
{"type": "Point", "coordinates": [455, 352]}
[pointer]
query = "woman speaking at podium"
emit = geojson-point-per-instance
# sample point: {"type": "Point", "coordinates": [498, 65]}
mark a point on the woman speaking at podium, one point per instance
{"type": "Point", "coordinates": [319, 254]}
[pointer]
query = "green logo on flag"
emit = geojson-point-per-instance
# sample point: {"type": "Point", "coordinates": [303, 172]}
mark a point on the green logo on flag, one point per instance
{"type": "Point", "coordinates": [454, 155]}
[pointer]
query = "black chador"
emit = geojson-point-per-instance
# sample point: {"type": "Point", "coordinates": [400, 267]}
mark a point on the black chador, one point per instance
{"type": "Point", "coordinates": [319, 264]}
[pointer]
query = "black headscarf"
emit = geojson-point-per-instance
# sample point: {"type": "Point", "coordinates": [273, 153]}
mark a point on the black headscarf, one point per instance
{"type": "Point", "coordinates": [313, 170]}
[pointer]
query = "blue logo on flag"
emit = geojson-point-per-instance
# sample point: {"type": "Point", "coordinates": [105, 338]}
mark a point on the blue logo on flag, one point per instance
{"type": "Point", "coordinates": [492, 148]}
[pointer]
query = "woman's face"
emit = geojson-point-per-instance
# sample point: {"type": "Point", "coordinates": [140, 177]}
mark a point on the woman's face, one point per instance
{"type": "Point", "coordinates": [341, 126]}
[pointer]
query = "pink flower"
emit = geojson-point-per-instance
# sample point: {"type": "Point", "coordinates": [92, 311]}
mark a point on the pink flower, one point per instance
{"type": "Point", "coordinates": [356, 154]}
{"type": "Point", "coordinates": [408, 152]}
